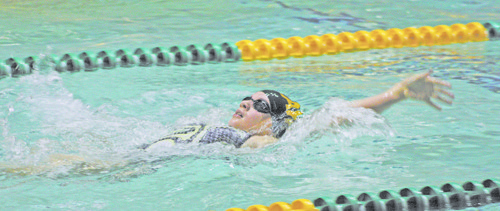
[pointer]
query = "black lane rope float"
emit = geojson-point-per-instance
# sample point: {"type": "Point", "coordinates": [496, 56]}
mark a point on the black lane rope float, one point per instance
{"type": "Point", "coordinates": [89, 61]}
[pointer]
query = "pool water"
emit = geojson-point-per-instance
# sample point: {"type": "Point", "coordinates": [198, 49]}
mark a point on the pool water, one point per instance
{"type": "Point", "coordinates": [103, 117]}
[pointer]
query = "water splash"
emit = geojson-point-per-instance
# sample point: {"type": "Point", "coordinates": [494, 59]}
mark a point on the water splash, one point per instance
{"type": "Point", "coordinates": [337, 117]}
{"type": "Point", "coordinates": [46, 121]}
{"type": "Point", "coordinates": [50, 131]}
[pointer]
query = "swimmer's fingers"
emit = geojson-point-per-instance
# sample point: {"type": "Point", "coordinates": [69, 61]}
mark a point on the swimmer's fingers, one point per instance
{"type": "Point", "coordinates": [445, 93]}
{"type": "Point", "coordinates": [442, 95]}
{"type": "Point", "coordinates": [428, 101]}
{"type": "Point", "coordinates": [444, 100]}
{"type": "Point", "coordinates": [438, 82]}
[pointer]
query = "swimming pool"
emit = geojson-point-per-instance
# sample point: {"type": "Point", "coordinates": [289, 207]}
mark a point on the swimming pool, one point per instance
{"type": "Point", "coordinates": [105, 115]}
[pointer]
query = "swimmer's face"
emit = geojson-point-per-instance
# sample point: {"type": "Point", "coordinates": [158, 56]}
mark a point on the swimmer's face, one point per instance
{"type": "Point", "coordinates": [248, 119]}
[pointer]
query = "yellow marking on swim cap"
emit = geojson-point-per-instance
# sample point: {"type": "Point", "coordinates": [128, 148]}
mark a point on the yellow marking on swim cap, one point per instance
{"type": "Point", "coordinates": [292, 109]}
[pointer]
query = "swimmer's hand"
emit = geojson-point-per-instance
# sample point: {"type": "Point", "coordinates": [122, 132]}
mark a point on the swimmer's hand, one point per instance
{"type": "Point", "coordinates": [259, 141]}
{"type": "Point", "coordinates": [425, 88]}
{"type": "Point", "coordinates": [420, 87]}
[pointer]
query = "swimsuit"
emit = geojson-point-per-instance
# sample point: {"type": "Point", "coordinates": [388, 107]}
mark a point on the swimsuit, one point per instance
{"type": "Point", "coordinates": [201, 133]}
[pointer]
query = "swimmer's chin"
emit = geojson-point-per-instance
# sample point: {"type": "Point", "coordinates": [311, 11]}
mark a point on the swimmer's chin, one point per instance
{"type": "Point", "coordinates": [234, 123]}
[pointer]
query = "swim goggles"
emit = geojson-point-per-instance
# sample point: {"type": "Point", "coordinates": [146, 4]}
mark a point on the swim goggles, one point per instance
{"type": "Point", "coordinates": [260, 105]}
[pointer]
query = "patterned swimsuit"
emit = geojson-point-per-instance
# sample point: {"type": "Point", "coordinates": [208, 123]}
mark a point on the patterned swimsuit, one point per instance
{"type": "Point", "coordinates": [201, 133]}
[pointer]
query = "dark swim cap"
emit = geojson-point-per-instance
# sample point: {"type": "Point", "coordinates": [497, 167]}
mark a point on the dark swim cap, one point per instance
{"type": "Point", "coordinates": [283, 111]}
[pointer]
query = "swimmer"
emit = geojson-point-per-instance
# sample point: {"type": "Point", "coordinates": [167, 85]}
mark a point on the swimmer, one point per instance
{"type": "Point", "coordinates": [264, 117]}
{"type": "Point", "coordinates": [260, 120]}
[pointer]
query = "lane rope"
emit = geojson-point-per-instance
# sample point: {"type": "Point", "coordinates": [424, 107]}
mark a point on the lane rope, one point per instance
{"type": "Point", "coordinates": [450, 196]}
{"type": "Point", "coordinates": [260, 49]}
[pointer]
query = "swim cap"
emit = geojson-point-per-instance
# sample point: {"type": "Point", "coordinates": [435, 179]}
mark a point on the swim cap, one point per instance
{"type": "Point", "coordinates": [283, 111]}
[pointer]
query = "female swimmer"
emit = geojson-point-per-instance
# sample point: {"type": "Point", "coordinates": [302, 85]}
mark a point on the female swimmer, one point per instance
{"type": "Point", "coordinates": [264, 117]}
{"type": "Point", "coordinates": [261, 119]}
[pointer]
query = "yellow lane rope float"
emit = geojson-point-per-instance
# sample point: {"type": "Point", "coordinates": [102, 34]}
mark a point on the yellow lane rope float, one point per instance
{"type": "Point", "coordinates": [314, 45]}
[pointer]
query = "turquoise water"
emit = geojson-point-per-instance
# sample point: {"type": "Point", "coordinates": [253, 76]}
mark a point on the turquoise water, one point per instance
{"type": "Point", "coordinates": [104, 116]}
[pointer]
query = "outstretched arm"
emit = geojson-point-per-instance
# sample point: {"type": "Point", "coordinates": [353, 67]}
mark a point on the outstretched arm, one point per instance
{"type": "Point", "coordinates": [419, 87]}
